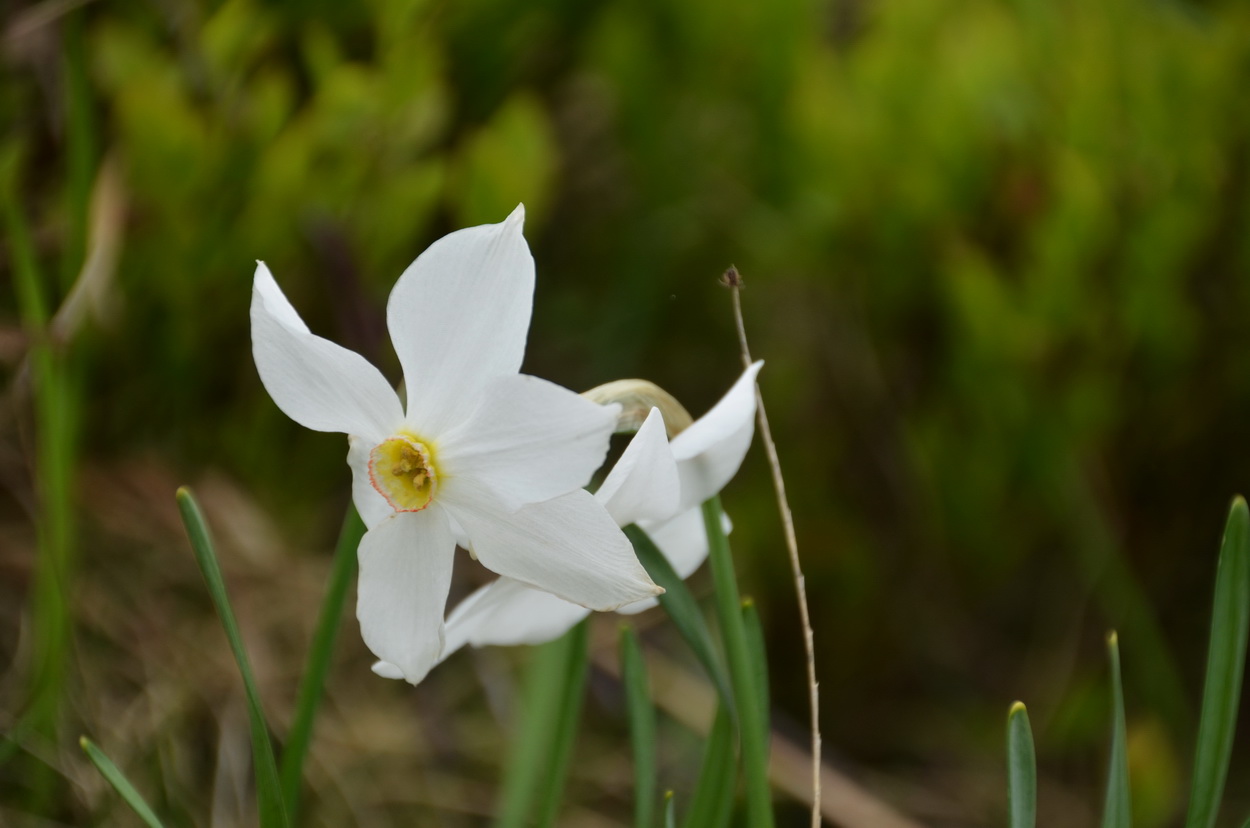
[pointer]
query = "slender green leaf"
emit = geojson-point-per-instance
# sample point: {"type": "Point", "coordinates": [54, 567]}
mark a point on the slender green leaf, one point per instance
{"type": "Point", "coordinates": [1021, 769]}
{"type": "Point", "coordinates": [1117, 812]}
{"type": "Point", "coordinates": [759, 657]}
{"type": "Point", "coordinates": [551, 794]}
{"type": "Point", "coordinates": [682, 609]}
{"type": "Point", "coordinates": [670, 812]}
{"type": "Point", "coordinates": [120, 783]}
{"type": "Point", "coordinates": [550, 706]}
{"type": "Point", "coordinates": [752, 731]}
{"type": "Point", "coordinates": [80, 142]}
{"type": "Point", "coordinates": [1226, 660]}
{"type": "Point", "coordinates": [268, 788]}
{"type": "Point", "coordinates": [641, 726]}
{"type": "Point", "coordinates": [711, 806]}
{"type": "Point", "coordinates": [312, 685]}
{"type": "Point", "coordinates": [55, 407]}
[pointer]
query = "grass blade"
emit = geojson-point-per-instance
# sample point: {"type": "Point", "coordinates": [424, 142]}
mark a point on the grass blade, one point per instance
{"type": "Point", "coordinates": [641, 726]}
{"type": "Point", "coordinates": [711, 806]}
{"type": "Point", "coordinates": [752, 729]}
{"type": "Point", "coordinates": [268, 788]}
{"type": "Point", "coordinates": [555, 679]}
{"type": "Point", "coordinates": [551, 794]}
{"type": "Point", "coordinates": [54, 399]}
{"type": "Point", "coordinates": [670, 815]}
{"type": "Point", "coordinates": [682, 609]}
{"type": "Point", "coordinates": [120, 783]}
{"type": "Point", "coordinates": [759, 657]}
{"type": "Point", "coordinates": [1117, 812]}
{"type": "Point", "coordinates": [1021, 769]}
{"type": "Point", "coordinates": [1226, 659]}
{"type": "Point", "coordinates": [312, 684]}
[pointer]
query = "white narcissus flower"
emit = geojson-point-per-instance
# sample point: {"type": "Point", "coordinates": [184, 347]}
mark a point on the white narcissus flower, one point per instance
{"type": "Point", "coordinates": [479, 452]}
{"type": "Point", "coordinates": [655, 484]}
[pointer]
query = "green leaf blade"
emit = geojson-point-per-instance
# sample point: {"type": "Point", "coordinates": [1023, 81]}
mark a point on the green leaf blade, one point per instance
{"type": "Point", "coordinates": [642, 726]}
{"type": "Point", "coordinates": [1021, 769]}
{"type": "Point", "coordinates": [538, 763]}
{"type": "Point", "coordinates": [120, 783]}
{"type": "Point", "coordinates": [753, 728]}
{"type": "Point", "coordinates": [1226, 658]}
{"type": "Point", "coordinates": [711, 805]}
{"type": "Point", "coordinates": [1117, 811]}
{"type": "Point", "coordinates": [269, 797]}
{"type": "Point", "coordinates": [682, 609]}
{"type": "Point", "coordinates": [759, 659]}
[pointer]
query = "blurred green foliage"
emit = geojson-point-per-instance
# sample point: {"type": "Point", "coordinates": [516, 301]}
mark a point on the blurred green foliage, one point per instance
{"type": "Point", "coordinates": [996, 257]}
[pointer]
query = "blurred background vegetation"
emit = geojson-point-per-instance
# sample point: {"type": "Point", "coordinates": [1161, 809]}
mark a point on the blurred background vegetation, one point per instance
{"type": "Point", "coordinates": [996, 254]}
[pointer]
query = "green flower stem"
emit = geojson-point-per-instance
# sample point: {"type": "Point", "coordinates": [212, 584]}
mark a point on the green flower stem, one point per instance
{"type": "Point", "coordinates": [752, 727]}
{"type": "Point", "coordinates": [312, 685]}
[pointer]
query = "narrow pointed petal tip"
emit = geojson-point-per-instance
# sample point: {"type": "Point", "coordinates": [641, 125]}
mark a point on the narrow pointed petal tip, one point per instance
{"type": "Point", "coordinates": [710, 451]}
{"type": "Point", "coordinates": [644, 483]}
{"type": "Point", "coordinates": [267, 295]}
{"type": "Point", "coordinates": [458, 318]}
{"type": "Point", "coordinates": [320, 385]}
{"type": "Point", "coordinates": [516, 219]}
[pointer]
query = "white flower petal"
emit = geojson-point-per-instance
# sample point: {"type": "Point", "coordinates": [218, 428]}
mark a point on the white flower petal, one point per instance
{"type": "Point", "coordinates": [506, 613]}
{"type": "Point", "coordinates": [316, 383]}
{"type": "Point", "coordinates": [643, 484]}
{"type": "Point", "coordinates": [387, 670]}
{"type": "Point", "coordinates": [530, 440]}
{"type": "Point", "coordinates": [370, 503]}
{"type": "Point", "coordinates": [710, 451]}
{"type": "Point", "coordinates": [405, 574]}
{"type": "Point", "coordinates": [459, 316]}
{"type": "Point", "coordinates": [569, 546]}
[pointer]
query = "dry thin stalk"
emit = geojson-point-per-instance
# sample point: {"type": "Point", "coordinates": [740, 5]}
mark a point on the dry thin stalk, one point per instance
{"type": "Point", "coordinates": [733, 280]}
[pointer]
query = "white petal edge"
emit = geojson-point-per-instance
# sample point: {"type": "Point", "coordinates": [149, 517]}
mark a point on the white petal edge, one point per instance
{"type": "Point", "coordinates": [387, 670]}
{"type": "Point", "coordinates": [569, 546]}
{"type": "Point", "coordinates": [530, 440]}
{"type": "Point", "coordinates": [405, 575]}
{"type": "Point", "coordinates": [320, 385]}
{"type": "Point", "coordinates": [643, 485]}
{"type": "Point", "coordinates": [507, 613]}
{"type": "Point", "coordinates": [710, 451]}
{"type": "Point", "coordinates": [459, 316]}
